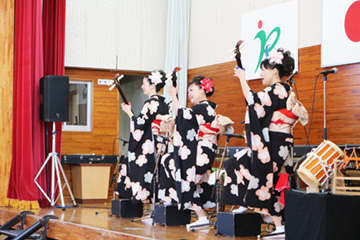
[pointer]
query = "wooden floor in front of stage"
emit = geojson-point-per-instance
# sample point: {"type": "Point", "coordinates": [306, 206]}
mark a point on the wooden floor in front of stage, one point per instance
{"type": "Point", "coordinates": [82, 222]}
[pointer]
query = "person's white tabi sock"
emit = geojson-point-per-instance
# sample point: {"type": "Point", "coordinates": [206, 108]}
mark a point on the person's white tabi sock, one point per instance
{"type": "Point", "coordinates": [267, 218]}
{"type": "Point", "coordinates": [280, 231]}
{"type": "Point", "coordinates": [241, 209]}
{"type": "Point", "coordinates": [201, 221]}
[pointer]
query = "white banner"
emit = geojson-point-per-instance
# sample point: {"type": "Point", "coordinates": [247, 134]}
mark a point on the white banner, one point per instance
{"type": "Point", "coordinates": [269, 28]}
{"type": "Point", "coordinates": [340, 32]}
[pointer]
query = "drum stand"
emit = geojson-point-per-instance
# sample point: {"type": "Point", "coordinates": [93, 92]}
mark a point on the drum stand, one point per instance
{"type": "Point", "coordinates": [55, 168]}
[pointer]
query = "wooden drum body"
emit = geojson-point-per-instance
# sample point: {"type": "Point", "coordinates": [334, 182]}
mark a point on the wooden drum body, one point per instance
{"type": "Point", "coordinates": [318, 166]}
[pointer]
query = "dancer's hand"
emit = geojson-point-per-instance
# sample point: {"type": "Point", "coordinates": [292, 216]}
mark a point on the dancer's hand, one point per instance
{"type": "Point", "coordinates": [172, 90]}
{"type": "Point", "coordinates": [127, 109]}
{"type": "Point", "coordinates": [239, 72]}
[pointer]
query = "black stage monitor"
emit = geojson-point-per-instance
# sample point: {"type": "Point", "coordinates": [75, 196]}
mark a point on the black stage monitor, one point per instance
{"type": "Point", "coordinates": [54, 92]}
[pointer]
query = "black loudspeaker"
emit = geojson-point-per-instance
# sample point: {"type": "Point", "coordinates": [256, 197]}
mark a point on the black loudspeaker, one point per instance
{"type": "Point", "coordinates": [54, 92]}
{"type": "Point", "coordinates": [171, 216]}
{"type": "Point", "coordinates": [239, 224]}
{"type": "Point", "coordinates": [126, 209]}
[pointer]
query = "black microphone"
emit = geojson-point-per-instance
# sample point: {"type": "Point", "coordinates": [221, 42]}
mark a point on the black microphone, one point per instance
{"type": "Point", "coordinates": [333, 70]}
{"type": "Point", "coordinates": [290, 78]}
{"type": "Point", "coordinates": [230, 135]}
{"type": "Point", "coordinates": [125, 141]}
{"type": "Point", "coordinates": [163, 137]}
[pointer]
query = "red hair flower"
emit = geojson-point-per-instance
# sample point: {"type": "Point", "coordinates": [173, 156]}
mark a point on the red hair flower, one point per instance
{"type": "Point", "coordinates": [206, 84]}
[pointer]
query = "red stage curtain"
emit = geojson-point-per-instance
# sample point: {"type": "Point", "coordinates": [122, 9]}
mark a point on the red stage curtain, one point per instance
{"type": "Point", "coordinates": [54, 56]}
{"type": "Point", "coordinates": [28, 129]}
{"type": "Point", "coordinates": [35, 55]}
{"type": "Point", "coordinates": [54, 50]}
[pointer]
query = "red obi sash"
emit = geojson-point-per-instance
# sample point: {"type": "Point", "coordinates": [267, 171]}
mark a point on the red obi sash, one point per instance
{"type": "Point", "coordinates": [208, 126]}
{"type": "Point", "coordinates": [287, 113]}
{"type": "Point", "coordinates": [156, 124]}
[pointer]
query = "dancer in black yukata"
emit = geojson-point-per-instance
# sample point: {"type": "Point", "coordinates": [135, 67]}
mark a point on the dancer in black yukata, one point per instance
{"type": "Point", "coordinates": [185, 172]}
{"type": "Point", "coordinates": [252, 174]}
{"type": "Point", "coordinates": [135, 176]}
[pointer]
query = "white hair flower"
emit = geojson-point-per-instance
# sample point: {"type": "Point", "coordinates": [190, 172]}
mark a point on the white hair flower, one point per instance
{"type": "Point", "coordinates": [275, 57]}
{"type": "Point", "coordinates": [155, 77]}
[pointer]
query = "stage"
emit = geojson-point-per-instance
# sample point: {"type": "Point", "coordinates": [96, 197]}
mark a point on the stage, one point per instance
{"type": "Point", "coordinates": [83, 223]}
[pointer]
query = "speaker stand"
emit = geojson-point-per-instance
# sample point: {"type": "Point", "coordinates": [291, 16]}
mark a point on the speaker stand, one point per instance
{"type": "Point", "coordinates": [55, 168]}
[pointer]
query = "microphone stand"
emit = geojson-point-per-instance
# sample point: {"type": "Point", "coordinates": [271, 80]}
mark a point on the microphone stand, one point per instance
{"type": "Point", "coordinates": [325, 130]}
{"type": "Point", "coordinates": [218, 184]}
{"type": "Point", "coordinates": [291, 81]}
{"type": "Point", "coordinates": [154, 179]}
{"type": "Point", "coordinates": [291, 161]}
{"type": "Point", "coordinates": [113, 179]}
{"type": "Point", "coordinates": [334, 70]}
{"type": "Point", "coordinates": [116, 170]}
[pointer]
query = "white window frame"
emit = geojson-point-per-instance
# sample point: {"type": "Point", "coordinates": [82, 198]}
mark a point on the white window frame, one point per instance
{"type": "Point", "coordinates": [88, 127]}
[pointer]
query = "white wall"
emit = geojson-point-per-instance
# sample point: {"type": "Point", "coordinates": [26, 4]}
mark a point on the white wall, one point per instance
{"type": "Point", "coordinates": [135, 31]}
{"type": "Point", "coordinates": [99, 32]}
{"type": "Point", "coordinates": [215, 27]}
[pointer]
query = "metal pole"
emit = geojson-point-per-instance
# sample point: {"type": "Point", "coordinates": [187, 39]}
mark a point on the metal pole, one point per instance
{"type": "Point", "coordinates": [325, 130]}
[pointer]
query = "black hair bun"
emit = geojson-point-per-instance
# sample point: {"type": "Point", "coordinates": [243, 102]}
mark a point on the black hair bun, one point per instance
{"type": "Point", "coordinates": [158, 85]}
{"type": "Point", "coordinates": [288, 63]}
{"type": "Point", "coordinates": [197, 80]}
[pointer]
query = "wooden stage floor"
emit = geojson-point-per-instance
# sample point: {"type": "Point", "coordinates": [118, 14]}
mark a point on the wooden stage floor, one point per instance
{"type": "Point", "coordinates": [83, 223]}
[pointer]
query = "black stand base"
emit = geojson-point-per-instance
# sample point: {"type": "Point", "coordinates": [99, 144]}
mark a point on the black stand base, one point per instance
{"type": "Point", "coordinates": [171, 216]}
{"type": "Point", "coordinates": [239, 224]}
{"type": "Point", "coordinates": [126, 209]}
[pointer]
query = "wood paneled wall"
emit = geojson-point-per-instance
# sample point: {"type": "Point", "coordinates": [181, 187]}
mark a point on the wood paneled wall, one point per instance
{"type": "Point", "coordinates": [7, 10]}
{"type": "Point", "coordinates": [105, 112]}
{"type": "Point", "coordinates": [343, 98]}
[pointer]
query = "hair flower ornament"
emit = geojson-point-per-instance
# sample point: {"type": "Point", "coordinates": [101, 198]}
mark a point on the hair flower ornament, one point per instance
{"type": "Point", "coordinates": [155, 77]}
{"type": "Point", "coordinates": [275, 57]}
{"type": "Point", "coordinates": [206, 84]}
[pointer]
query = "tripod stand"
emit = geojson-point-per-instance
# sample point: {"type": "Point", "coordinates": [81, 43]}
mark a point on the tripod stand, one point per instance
{"type": "Point", "coordinates": [55, 169]}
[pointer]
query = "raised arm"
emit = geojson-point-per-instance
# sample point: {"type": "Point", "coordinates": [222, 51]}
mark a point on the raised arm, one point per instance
{"type": "Point", "coordinates": [238, 72]}
{"type": "Point", "coordinates": [175, 101]}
